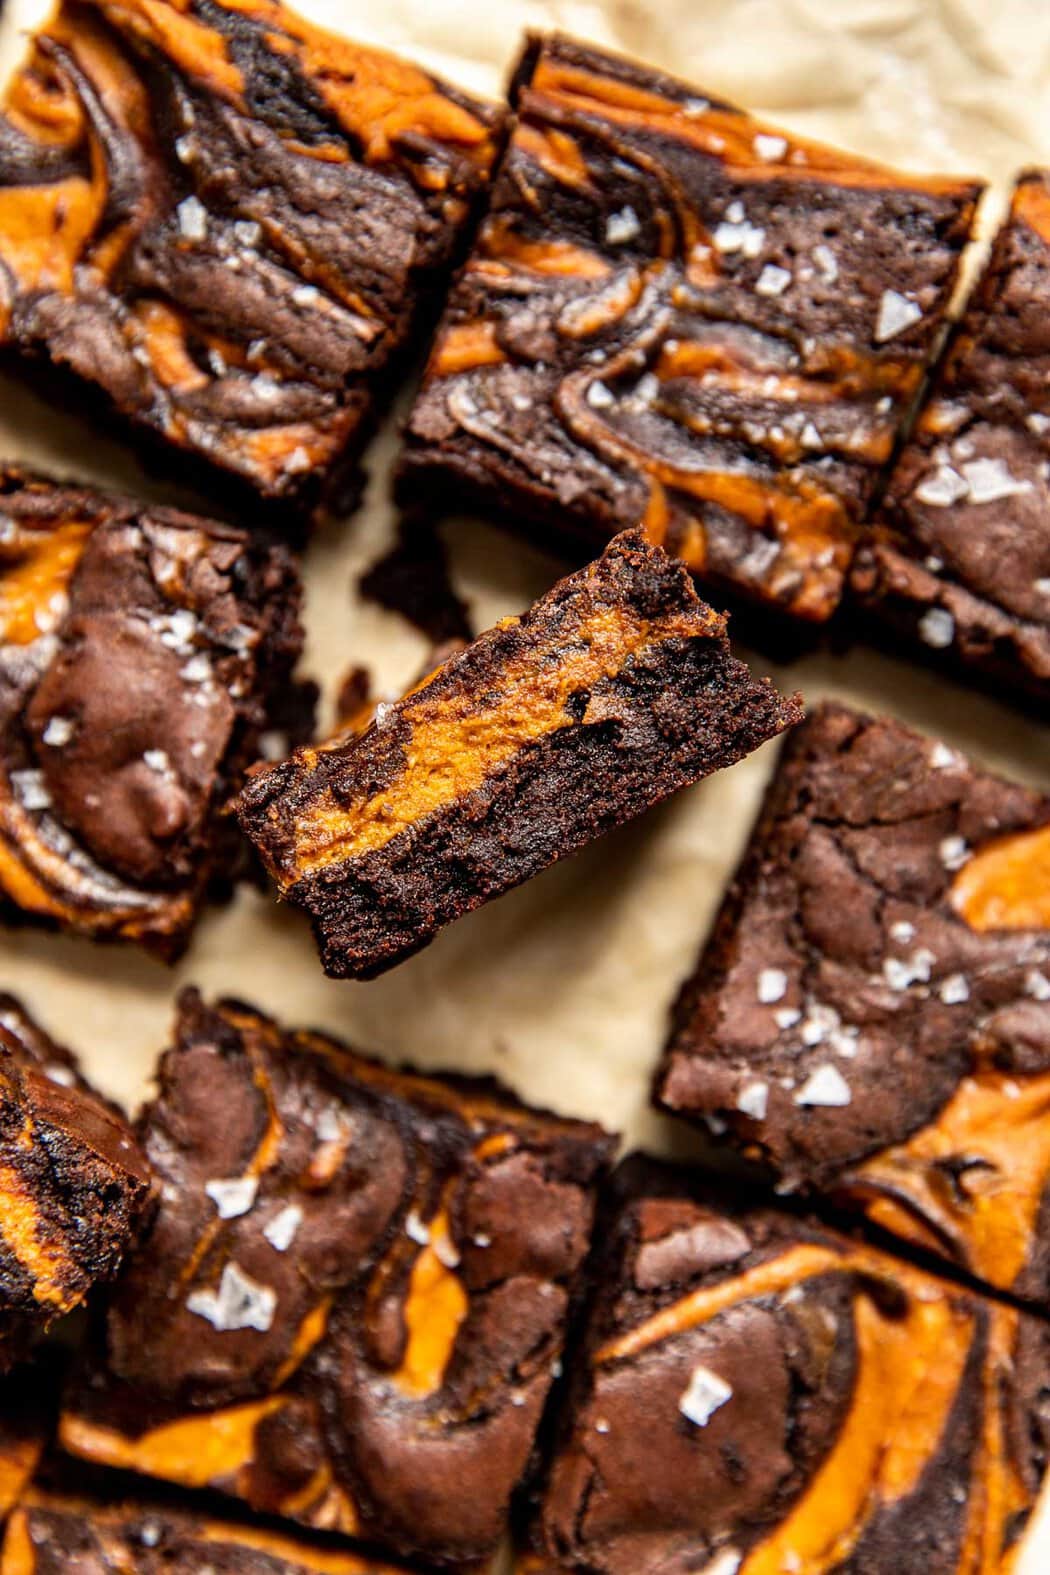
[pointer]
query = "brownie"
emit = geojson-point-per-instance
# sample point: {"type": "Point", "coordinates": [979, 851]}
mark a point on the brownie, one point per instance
{"type": "Point", "coordinates": [74, 1184]}
{"type": "Point", "coordinates": [756, 1395]}
{"type": "Point", "coordinates": [679, 313]}
{"type": "Point", "coordinates": [224, 220]}
{"type": "Point", "coordinates": [958, 562]}
{"type": "Point", "coordinates": [871, 1014]}
{"type": "Point", "coordinates": [50, 1534]}
{"type": "Point", "coordinates": [144, 654]}
{"type": "Point", "coordinates": [351, 1304]}
{"type": "Point", "coordinates": [28, 1414]}
{"type": "Point", "coordinates": [616, 689]}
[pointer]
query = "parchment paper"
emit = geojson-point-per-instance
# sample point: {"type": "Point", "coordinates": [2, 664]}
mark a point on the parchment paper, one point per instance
{"type": "Point", "coordinates": [563, 987]}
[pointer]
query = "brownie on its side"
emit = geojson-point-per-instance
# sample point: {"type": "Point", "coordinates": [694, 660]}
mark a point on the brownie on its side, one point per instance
{"type": "Point", "coordinates": [51, 1534]}
{"type": "Point", "coordinates": [143, 653]}
{"type": "Point", "coordinates": [352, 1301]}
{"type": "Point", "coordinates": [959, 560]}
{"type": "Point", "coordinates": [616, 689]}
{"type": "Point", "coordinates": [224, 219]}
{"type": "Point", "coordinates": [756, 1395]}
{"type": "Point", "coordinates": [872, 1012]}
{"type": "Point", "coordinates": [676, 312]}
{"type": "Point", "coordinates": [74, 1185]}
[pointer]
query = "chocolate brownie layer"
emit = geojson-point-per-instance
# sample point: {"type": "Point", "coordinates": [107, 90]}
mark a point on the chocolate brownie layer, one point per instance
{"type": "Point", "coordinates": [142, 654]}
{"type": "Point", "coordinates": [959, 560]}
{"type": "Point", "coordinates": [613, 691]}
{"type": "Point", "coordinates": [678, 313]}
{"type": "Point", "coordinates": [28, 1416]}
{"type": "Point", "coordinates": [355, 1292]}
{"type": "Point", "coordinates": [872, 1012]}
{"type": "Point", "coordinates": [223, 219]}
{"type": "Point", "coordinates": [73, 1184]}
{"type": "Point", "coordinates": [757, 1396]}
{"type": "Point", "coordinates": [50, 1535]}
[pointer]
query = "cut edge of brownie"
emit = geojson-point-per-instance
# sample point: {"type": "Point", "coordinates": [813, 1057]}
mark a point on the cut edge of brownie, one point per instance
{"type": "Point", "coordinates": [367, 919]}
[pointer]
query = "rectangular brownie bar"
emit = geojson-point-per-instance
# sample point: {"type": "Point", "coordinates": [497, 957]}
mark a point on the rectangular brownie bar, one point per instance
{"type": "Point", "coordinates": [871, 1014]}
{"type": "Point", "coordinates": [224, 220]}
{"type": "Point", "coordinates": [756, 1395]}
{"type": "Point", "coordinates": [959, 559]}
{"type": "Point", "coordinates": [54, 1533]}
{"type": "Point", "coordinates": [144, 653]}
{"type": "Point", "coordinates": [74, 1185]}
{"type": "Point", "coordinates": [616, 689]}
{"type": "Point", "coordinates": [679, 313]}
{"type": "Point", "coordinates": [353, 1299]}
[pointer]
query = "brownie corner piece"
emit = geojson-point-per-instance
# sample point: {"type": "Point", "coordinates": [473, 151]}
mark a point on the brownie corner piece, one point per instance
{"type": "Point", "coordinates": [352, 1303]}
{"type": "Point", "coordinates": [74, 1186]}
{"type": "Point", "coordinates": [754, 1394]}
{"type": "Point", "coordinates": [223, 220]}
{"type": "Point", "coordinates": [616, 689]}
{"type": "Point", "coordinates": [144, 653]}
{"type": "Point", "coordinates": [871, 1014]}
{"type": "Point", "coordinates": [676, 312]}
{"type": "Point", "coordinates": [52, 1531]}
{"type": "Point", "coordinates": [958, 559]}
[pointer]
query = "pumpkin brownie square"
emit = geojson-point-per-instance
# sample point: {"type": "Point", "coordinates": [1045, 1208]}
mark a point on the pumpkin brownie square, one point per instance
{"type": "Point", "coordinates": [616, 689]}
{"type": "Point", "coordinates": [145, 654]}
{"type": "Point", "coordinates": [756, 1395]}
{"type": "Point", "coordinates": [353, 1299]}
{"type": "Point", "coordinates": [224, 220]}
{"type": "Point", "coordinates": [958, 561]}
{"type": "Point", "coordinates": [74, 1190]}
{"type": "Point", "coordinates": [53, 1532]}
{"type": "Point", "coordinates": [871, 1015]}
{"type": "Point", "coordinates": [675, 312]}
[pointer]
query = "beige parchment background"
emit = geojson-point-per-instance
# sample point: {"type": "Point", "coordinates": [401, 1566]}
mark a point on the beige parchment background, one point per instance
{"type": "Point", "coordinates": [562, 987]}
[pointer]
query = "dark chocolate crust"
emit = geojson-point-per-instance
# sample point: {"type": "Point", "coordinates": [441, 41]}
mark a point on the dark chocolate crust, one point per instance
{"type": "Point", "coordinates": [74, 1185]}
{"type": "Point", "coordinates": [29, 1399]}
{"type": "Point", "coordinates": [959, 560]}
{"type": "Point", "coordinates": [143, 655]}
{"type": "Point", "coordinates": [756, 1394]}
{"type": "Point", "coordinates": [224, 220]}
{"type": "Point", "coordinates": [872, 1012]}
{"type": "Point", "coordinates": [356, 1327]}
{"type": "Point", "coordinates": [51, 1534]}
{"type": "Point", "coordinates": [676, 312]}
{"type": "Point", "coordinates": [616, 689]}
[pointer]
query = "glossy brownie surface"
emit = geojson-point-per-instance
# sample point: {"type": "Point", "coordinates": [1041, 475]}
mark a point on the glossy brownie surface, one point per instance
{"type": "Point", "coordinates": [872, 1012]}
{"type": "Point", "coordinates": [678, 313]}
{"type": "Point", "coordinates": [223, 219]}
{"type": "Point", "coordinates": [756, 1395]}
{"type": "Point", "coordinates": [959, 561]}
{"type": "Point", "coordinates": [143, 654]}
{"type": "Point", "coordinates": [354, 1295]}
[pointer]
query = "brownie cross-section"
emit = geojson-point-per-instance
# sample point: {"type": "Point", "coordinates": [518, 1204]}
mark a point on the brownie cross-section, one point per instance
{"type": "Point", "coordinates": [616, 689]}
{"type": "Point", "coordinates": [74, 1191]}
